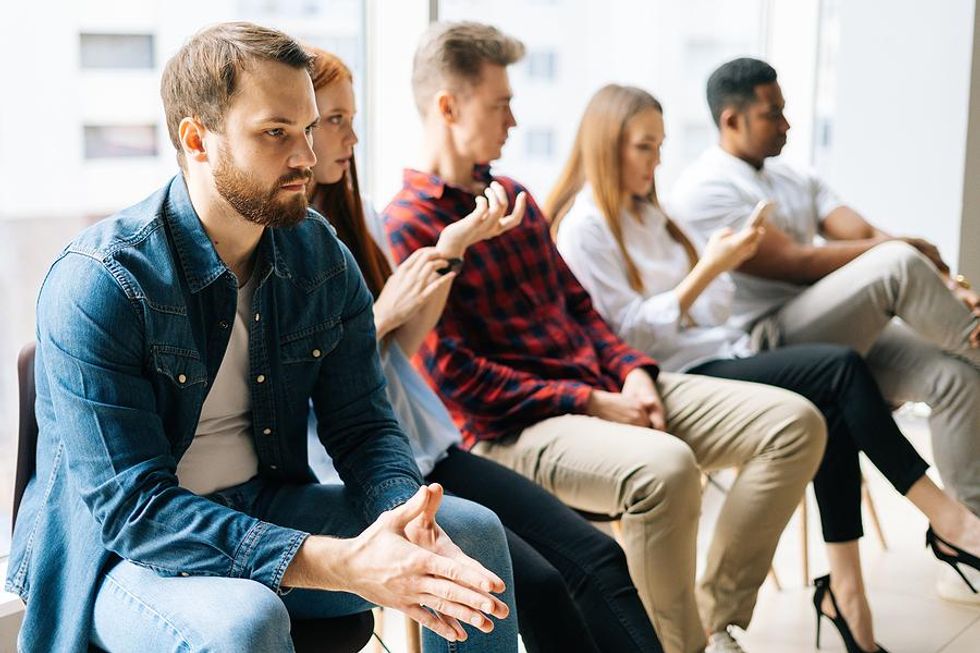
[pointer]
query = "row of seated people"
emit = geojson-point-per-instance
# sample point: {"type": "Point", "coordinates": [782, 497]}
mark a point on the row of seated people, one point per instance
{"type": "Point", "coordinates": [595, 355]}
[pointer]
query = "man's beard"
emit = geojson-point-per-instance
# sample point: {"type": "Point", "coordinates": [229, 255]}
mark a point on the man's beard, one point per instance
{"type": "Point", "coordinates": [258, 205]}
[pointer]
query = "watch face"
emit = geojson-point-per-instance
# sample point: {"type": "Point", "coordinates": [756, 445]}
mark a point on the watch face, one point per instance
{"type": "Point", "coordinates": [455, 265]}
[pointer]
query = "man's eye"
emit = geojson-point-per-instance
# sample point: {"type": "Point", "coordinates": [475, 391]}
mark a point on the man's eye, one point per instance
{"type": "Point", "coordinates": [335, 120]}
{"type": "Point", "coordinates": [275, 133]}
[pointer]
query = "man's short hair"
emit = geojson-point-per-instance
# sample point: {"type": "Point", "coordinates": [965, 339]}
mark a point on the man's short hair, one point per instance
{"type": "Point", "coordinates": [451, 55]}
{"type": "Point", "coordinates": [201, 79]}
{"type": "Point", "coordinates": [733, 84]}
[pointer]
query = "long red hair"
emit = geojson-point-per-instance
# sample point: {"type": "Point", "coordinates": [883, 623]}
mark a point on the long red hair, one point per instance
{"type": "Point", "coordinates": [340, 202]}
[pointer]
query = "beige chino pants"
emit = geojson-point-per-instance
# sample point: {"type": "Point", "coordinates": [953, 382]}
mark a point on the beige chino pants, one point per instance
{"type": "Point", "coordinates": [923, 356]}
{"type": "Point", "coordinates": [776, 438]}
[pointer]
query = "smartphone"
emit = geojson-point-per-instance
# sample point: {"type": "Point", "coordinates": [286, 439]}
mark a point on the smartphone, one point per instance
{"type": "Point", "coordinates": [759, 214]}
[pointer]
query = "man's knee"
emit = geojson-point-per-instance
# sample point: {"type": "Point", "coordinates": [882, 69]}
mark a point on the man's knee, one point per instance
{"type": "Point", "coordinates": [472, 527]}
{"type": "Point", "coordinates": [801, 431]}
{"type": "Point", "coordinates": [253, 619]}
{"type": "Point", "coordinates": [670, 481]}
{"type": "Point", "coordinates": [900, 258]}
{"type": "Point", "coordinates": [953, 385]}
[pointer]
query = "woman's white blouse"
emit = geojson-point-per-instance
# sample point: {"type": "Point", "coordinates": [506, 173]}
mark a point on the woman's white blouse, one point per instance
{"type": "Point", "coordinates": [649, 320]}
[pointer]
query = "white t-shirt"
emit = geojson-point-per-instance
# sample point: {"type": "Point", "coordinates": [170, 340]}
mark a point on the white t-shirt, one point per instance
{"type": "Point", "coordinates": [649, 320]}
{"type": "Point", "coordinates": [720, 190]}
{"type": "Point", "coordinates": [223, 453]}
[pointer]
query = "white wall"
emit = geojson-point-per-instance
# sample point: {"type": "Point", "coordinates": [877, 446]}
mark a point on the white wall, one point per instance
{"type": "Point", "coordinates": [900, 129]}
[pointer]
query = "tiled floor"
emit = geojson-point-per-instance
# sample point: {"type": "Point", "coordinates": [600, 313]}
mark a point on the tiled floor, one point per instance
{"type": "Point", "coordinates": [909, 617]}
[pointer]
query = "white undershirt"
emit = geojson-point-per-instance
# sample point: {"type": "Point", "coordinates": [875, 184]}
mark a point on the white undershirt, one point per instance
{"type": "Point", "coordinates": [223, 453]}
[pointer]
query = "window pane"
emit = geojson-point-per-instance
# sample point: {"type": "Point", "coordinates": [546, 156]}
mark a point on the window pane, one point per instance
{"type": "Point", "coordinates": [114, 141]}
{"type": "Point", "coordinates": [116, 50]}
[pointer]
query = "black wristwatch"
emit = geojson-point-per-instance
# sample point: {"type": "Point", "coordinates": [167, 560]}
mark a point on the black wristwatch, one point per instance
{"type": "Point", "coordinates": [455, 265]}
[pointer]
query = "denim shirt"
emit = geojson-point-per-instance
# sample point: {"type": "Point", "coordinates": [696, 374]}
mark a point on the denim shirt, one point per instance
{"type": "Point", "coordinates": [133, 321]}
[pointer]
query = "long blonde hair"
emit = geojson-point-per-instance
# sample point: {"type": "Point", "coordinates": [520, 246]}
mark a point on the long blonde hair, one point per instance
{"type": "Point", "coordinates": [596, 157]}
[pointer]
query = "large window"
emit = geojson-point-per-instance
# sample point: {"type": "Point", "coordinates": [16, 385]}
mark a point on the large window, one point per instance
{"type": "Point", "coordinates": [85, 136]}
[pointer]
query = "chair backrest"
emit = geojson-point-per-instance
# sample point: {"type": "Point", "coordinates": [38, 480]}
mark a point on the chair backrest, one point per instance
{"type": "Point", "coordinates": [27, 427]}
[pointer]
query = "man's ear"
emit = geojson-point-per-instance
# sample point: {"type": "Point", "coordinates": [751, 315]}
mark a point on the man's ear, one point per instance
{"type": "Point", "coordinates": [191, 133]}
{"type": "Point", "coordinates": [446, 106]}
{"type": "Point", "coordinates": [731, 118]}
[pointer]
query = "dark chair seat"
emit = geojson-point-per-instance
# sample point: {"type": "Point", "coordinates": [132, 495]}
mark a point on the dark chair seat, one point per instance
{"type": "Point", "coordinates": [338, 635]}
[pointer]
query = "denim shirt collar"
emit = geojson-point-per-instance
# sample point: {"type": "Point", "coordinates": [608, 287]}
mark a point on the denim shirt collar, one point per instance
{"type": "Point", "coordinates": [199, 261]}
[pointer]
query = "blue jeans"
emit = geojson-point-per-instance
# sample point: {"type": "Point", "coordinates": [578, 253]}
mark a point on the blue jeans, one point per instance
{"type": "Point", "coordinates": [136, 609]}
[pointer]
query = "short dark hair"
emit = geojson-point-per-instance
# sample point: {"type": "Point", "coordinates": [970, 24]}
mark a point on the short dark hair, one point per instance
{"type": "Point", "coordinates": [202, 78]}
{"type": "Point", "coordinates": [733, 84]}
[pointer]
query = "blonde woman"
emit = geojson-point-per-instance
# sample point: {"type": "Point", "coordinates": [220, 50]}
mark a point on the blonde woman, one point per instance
{"type": "Point", "coordinates": [649, 282]}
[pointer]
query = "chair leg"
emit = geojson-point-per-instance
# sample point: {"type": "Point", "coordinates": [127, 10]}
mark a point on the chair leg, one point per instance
{"type": "Point", "coordinates": [873, 512]}
{"type": "Point", "coordinates": [413, 636]}
{"type": "Point", "coordinates": [805, 539]}
{"type": "Point", "coordinates": [617, 529]}
{"type": "Point", "coordinates": [775, 579]}
{"type": "Point", "coordinates": [379, 629]}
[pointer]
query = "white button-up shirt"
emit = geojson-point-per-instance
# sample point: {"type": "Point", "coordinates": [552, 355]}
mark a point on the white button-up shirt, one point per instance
{"type": "Point", "coordinates": [720, 190]}
{"type": "Point", "coordinates": [649, 320]}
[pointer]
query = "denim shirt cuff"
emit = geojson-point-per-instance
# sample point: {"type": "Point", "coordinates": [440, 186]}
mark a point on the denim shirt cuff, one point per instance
{"type": "Point", "coordinates": [388, 495]}
{"type": "Point", "coordinates": [267, 551]}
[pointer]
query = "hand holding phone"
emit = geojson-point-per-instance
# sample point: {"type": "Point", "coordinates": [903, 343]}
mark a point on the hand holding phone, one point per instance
{"type": "Point", "coordinates": [760, 214]}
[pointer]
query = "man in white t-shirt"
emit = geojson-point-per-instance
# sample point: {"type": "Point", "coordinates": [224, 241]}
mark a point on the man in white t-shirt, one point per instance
{"type": "Point", "coordinates": [848, 289]}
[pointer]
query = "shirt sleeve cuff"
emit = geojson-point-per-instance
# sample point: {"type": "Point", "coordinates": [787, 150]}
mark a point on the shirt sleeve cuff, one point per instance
{"type": "Point", "coordinates": [388, 495]}
{"type": "Point", "coordinates": [266, 552]}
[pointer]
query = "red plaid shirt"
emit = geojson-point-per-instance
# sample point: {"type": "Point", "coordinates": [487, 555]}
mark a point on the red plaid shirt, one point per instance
{"type": "Point", "coordinates": [519, 341]}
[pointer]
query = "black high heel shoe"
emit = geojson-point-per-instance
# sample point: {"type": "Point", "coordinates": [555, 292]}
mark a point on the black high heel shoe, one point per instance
{"type": "Point", "coordinates": [953, 560]}
{"type": "Point", "coordinates": [822, 585]}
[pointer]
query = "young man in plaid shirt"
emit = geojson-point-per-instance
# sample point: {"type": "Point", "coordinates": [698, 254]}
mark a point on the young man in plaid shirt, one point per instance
{"type": "Point", "coordinates": [538, 382]}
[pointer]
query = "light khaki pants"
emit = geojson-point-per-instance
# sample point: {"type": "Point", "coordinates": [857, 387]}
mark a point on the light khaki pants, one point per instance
{"type": "Point", "coordinates": [923, 356]}
{"type": "Point", "coordinates": [776, 438]}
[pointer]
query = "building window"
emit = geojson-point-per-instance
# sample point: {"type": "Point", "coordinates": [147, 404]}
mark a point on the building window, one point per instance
{"type": "Point", "coordinates": [540, 143]}
{"type": "Point", "coordinates": [116, 51]}
{"type": "Point", "coordinates": [120, 141]}
{"type": "Point", "coordinates": [542, 64]}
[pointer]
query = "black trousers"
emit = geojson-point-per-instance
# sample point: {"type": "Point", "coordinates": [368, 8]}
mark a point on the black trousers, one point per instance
{"type": "Point", "coordinates": [837, 380]}
{"type": "Point", "coordinates": [571, 582]}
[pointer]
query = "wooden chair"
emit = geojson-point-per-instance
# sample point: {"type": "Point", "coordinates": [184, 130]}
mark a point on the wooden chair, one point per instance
{"type": "Point", "coordinates": [336, 635]}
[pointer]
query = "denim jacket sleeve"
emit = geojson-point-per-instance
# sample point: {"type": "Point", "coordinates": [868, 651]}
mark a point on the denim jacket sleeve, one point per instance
{"type": "Point", "coordinates": [355, 422]}
{"type": "Point", "coordinates": [120, 460]}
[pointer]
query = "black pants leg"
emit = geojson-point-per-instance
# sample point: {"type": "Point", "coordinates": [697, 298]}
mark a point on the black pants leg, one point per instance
{"type": "Point", "coordinates": [837, 380]}
{"type": "Point", "coordinates": [571, 582]}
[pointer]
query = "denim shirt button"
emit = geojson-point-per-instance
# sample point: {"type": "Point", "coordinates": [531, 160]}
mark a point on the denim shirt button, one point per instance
{"type": "Point", "coordinates": [260, 378]}
{"type": "Point", "coordinates": [266, 431]}
{"type": "Point", "coordinates": [316, 353]}
{"type": "Point", "coordinates": [257, 317]}
{"type": "Point", "coordinates": [184, 574]}
{"type": "Point", "coordinates": [223, 324]}
{"type": "Point", "coordinates": [273, 467]}
{"type": "Point", "coordinates": [181, 378]}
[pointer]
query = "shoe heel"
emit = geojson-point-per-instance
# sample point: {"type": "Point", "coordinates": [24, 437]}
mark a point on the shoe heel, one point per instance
{"type": "Point", "coordinates": [818, 630]}
{"type": "Point", "coordinates": [963, 576]}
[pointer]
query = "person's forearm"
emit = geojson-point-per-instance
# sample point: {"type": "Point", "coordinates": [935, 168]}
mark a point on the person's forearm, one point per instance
{"type": "Point", "coordinates": [413, 332]}
{"type": "Point", "coordinates": [318, 564]}
{"type": "Point", "coordinates": [694, 283]}
{"type": "Point", "coordinates": [809, 263]}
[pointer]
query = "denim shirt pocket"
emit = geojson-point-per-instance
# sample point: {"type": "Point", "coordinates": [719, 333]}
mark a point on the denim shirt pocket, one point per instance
{"type": "Point", "coordinates": [181, 367]}
{"type": "Point", "coordinates": [303, 351]}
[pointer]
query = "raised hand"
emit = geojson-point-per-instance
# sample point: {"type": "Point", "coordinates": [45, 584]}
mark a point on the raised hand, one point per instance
{"type": "Point", "coordinates": [486, 221]}
{"type": "Point", "coordinates": [409, 287]}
